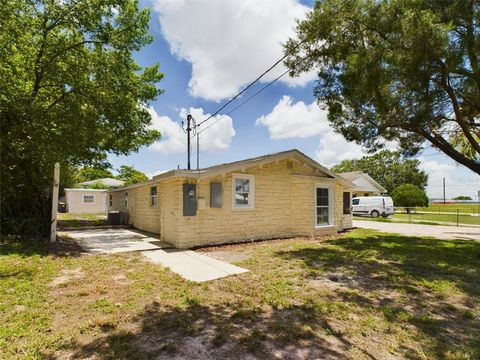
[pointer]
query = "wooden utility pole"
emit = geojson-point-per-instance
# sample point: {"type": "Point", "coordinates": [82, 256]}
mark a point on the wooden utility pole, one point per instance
{"type": "Point", "coordinates": [56, 183]}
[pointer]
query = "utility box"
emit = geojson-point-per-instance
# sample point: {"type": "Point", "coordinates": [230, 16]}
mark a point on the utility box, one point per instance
{"type": "Point", "coordinates": [215, 195]}
{"type": "Point", "coordinates": [189, 199]}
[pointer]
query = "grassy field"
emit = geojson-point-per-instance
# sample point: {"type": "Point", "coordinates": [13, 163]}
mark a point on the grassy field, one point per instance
{"type": "Point", "coordinates": [361, 295]}
{"type": "Point", "coordinates": [439, 208]}
{"type": "Point", "coordinates": [452, 218]}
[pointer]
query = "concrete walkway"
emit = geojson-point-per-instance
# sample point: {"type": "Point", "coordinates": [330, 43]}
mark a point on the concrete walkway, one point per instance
{"type": "Point", "coordinates": [188, 264]}
{"type": "Point", "coordinates": [437, 231]}
{"type": "Point", "coordinates": [193, 266]}
{"type": "Point", "coordinates": [109, 241]}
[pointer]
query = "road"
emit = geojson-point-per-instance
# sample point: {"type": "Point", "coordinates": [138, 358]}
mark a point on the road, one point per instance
{"type": "Point", "coordinates": [437, 231]}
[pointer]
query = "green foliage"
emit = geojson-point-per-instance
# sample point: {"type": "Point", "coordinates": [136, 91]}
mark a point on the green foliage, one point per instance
{"type": "Point", "coordinates": [462, 198]}
{"type": "Point", "coordinates": [396, 70]}
{"type": "Point", "coordinates": [388, 168]}
{"type": "Point", "coordinates": [130, 176]}
{"type": "Point", "coordinates": [70, 91]}
{"type": "Point", "coordinates": [88, 173]}
{"type": "Point", "coordinates": [409, 195]}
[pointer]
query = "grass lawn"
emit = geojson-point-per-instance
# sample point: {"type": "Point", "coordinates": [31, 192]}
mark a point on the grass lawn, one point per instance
{"type": "Point", "coordinates": [361, 295]}
{"type": "Point", "coordinates": [452, 218]}
{"type": "Point", "coordinates": [66, 220]}
{"type": "Point", "coordinates": [463, 208]}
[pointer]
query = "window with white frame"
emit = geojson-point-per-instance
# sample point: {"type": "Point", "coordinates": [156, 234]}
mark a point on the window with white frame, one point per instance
{"type": "Point", "coordinates": [153, 196]}
{"type": "Point", "coordinates": [126, 199]}
{"type": "Point", "coordinates": [243, 191]}
{"type": "Point", "coordinates": [88, 199]}
{"type": "Point", "coordinates": [111, 200]}
{"type": "Point", "coordinates": [323, 206]}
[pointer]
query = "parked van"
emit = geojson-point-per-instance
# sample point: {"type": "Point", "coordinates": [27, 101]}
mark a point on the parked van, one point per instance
{"type": "Point", "coordinates": [373, 206]}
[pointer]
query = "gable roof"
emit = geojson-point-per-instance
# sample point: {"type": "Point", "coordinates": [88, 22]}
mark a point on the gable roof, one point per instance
{"type": "Point", "coordinates": [244, 164]}
{"type": "Point", "coordinates": [104, 181]}
{"type": "Point", "coordinates": [355, 176]}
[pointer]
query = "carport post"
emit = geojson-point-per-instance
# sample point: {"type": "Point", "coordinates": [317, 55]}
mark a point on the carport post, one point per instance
{"type": "Point", "coordinates": [53, 224]}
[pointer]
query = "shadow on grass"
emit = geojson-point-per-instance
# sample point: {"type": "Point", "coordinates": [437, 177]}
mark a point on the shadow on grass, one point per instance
{"type": "Point", "coordinates": [43, 247]}
{"type": "Point", "coordinates": [431, 284]}
{"type": "Point", "coordinates": [230, 331]}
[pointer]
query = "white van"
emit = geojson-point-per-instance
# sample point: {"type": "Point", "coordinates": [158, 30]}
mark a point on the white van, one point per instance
{"type": "Point", "coordinates": [373, 206]}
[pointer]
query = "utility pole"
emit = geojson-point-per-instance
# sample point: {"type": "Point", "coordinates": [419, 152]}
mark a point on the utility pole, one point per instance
{"type": "Point", "coordinates": [443, 191]}
{"type": "Point", "coordinates": [198, 151]}
{"type": "Point", "coordinates": [189, 129]}
{"type": "Point", "coordinates": [53, 223]}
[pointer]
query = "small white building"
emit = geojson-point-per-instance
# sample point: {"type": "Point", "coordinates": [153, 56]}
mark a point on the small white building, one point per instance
{"type": "Point", "coordinates": [86, 201]}
{"type": "Point", "coordinates": [366, 185]}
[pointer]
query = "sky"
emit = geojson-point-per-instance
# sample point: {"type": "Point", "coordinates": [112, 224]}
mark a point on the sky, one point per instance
{"type": "Point", "coordinates": [211, 49]}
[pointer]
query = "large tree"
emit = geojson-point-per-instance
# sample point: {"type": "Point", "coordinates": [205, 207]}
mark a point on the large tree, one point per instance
{"type": "Point", "coordinates": [404, 70]}
{"type": "Point", "coordinates": [130, 176]}
{"type": "Point", "coordinates": [389, 168]}
{"type": "Point", "coordinates": [70, 92]}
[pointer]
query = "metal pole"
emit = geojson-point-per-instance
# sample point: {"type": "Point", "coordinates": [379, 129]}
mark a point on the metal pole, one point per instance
{"type": "Point", "coordinates": [53, 223]}
{"type": "Point", "coordinates": [198, 151]}
{"type": "Point", "coordinates": [189, 129]}
{"type": "Point", "coordinates": [458, 212]}
{"type": "Point", "coordinates": [443, 191]}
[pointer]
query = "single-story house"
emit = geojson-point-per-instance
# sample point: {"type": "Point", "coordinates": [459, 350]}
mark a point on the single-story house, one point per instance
{"type": "Point", "coordinates": [365, 184]}
{"type": "Point", "coordinates": [85, 200]}
{"type": "Point", "coordinates": [281, 195]}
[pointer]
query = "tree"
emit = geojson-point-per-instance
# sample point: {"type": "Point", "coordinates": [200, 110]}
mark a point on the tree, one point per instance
{"type": "Point", "coordinates": [396, 70]}
{"type": "Point", "coordinates": [409, 195]}
{"type": "Point", "coordinates": [88, 173]}
{"type": "Point", "coordinates": [70, 92]}
{"type": "Point", "coordinates": [462, 198]}
{"type": "Point", "coordinates": [389, 168]}
{"type": "Point", "coordinates": [130, 176]}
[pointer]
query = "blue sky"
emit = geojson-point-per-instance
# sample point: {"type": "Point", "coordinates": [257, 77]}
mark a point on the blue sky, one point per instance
{"type": "Point", "coordinates": [211, 49]}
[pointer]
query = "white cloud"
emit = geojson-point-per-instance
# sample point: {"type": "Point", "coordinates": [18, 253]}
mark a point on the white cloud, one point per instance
{"type": "Point", "coordinates": [297, 120]}
{"type": "Point", "coordinates": [458, 179]}
{"type": "Point", "coordinates": [174, 140]}
{"type": "Point", "coordinates": [300, 120]}
{"type": "Point", "coordinates": [229, 43]}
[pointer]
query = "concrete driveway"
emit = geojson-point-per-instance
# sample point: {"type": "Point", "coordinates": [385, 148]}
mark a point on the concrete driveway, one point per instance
{"type": "Point", "coordinates": [437, 231]}
{"type": "Point", "coordinates": [188, 264]}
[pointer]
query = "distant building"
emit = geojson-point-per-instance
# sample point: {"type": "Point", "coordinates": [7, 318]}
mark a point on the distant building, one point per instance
{"type": "Point", "coordinates": [366, 185]}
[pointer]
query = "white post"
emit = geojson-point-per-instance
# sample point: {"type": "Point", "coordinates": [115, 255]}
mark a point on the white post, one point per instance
{"type": "Point", "coordinates": [56, 182]}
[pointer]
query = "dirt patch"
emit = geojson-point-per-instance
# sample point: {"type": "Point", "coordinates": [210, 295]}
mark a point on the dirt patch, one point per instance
{"type": "Point", "coordinates": [67, 276]}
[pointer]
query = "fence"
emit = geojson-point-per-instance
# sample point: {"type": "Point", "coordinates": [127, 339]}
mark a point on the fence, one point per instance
{"type": "Point", "coordinates": [450, 214]}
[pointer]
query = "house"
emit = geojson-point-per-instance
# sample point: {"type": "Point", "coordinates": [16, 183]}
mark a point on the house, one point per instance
{"type": "Point", "coordinates": [281, 195]}
{"type": "Point", "coordinates": [87, 200]}
{"type": "Point", "coordinates": [365, 185]}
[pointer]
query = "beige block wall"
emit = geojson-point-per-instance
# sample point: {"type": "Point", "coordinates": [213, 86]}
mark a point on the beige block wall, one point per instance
{"type": "Point", "coordinates": [284, 207]}
{"type": "Point", "coordinates": [75, 204]}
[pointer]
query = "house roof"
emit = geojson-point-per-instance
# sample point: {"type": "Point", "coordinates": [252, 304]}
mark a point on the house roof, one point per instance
{"type": "Point", "coordinates": [355, 176]}
{"type": "Point", "coordinates": [241, 165]}
{"type": "Point", "coordinates": [104, 181]}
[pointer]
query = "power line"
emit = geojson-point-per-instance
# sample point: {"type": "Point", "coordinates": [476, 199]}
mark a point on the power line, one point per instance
{"type": "Point", "coordinates": [251, 84]}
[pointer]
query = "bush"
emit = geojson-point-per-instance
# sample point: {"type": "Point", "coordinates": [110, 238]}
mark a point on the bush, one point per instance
{"type": "Point", "coordinates": [409, 195]}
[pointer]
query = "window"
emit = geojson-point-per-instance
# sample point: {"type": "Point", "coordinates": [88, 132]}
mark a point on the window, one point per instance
{"type": "Point", "coordinates": [355, 201]}
{"type": "Point", "coordinates": [243, 191]}
{"type": "Point", "coordinates": [126, 199]}
{"type": "Point", "coordinates": [324, 206]}
{"type": "Point", "coordinates": [153, 196]}
{"type": "Point", "coordinates": [346, 203]}
{"type": "Point", "coordinates": [111, 200]}
{"type": "Point", "coordinates": [88, 199]}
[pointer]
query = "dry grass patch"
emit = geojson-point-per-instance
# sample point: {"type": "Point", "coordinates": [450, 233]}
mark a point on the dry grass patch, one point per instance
{"type": "Point", "coordinates": [361, 295]}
